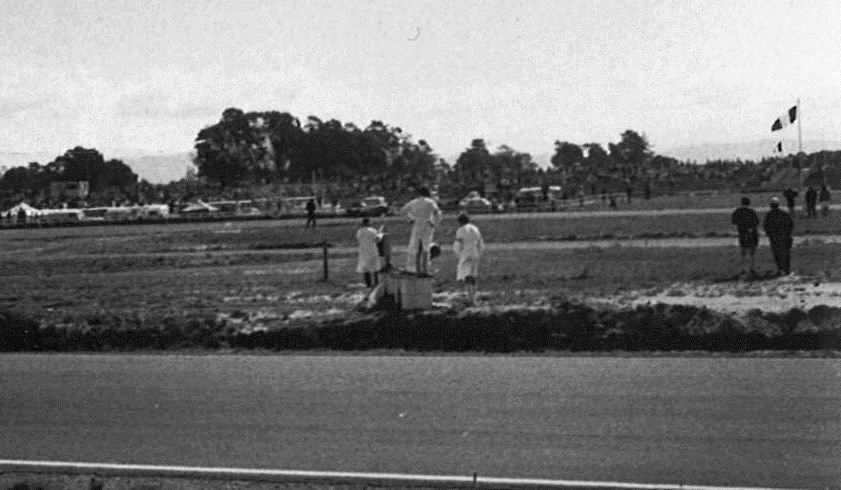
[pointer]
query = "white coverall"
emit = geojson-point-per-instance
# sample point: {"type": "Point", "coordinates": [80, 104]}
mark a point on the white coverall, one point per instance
{"type": "Point", "coordinates": [369, 257]}
{"type": "Point", "coordinates": [468, 247]}
{"type": "Point", "coordinates": [425, 215]}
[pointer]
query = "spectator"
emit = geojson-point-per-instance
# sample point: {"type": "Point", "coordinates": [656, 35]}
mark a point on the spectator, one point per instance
{"type": "Point", "coordinates": [790, 194]}
{"type": "Point", "coordinates": [778, 226]}
{"type": "Point", "coordinates": [310, 213]}
{"type": "Point", "coordinates": [747, 222]}
{"type": "Point", "coordinates": [824, 197]}
{"type": "Point", "coordinates": [468, 246]}
{"type": "Point", "coordinates": [369, 257]}
{"type": "Point", "coordinates": [811, 202]}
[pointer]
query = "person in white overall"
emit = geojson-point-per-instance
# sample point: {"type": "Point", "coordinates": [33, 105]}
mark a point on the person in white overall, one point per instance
{"type": "Point", "coordinates": [425, 215]}
{"type": "Point", "coordinates": [369, 257]}
{"type": "Point", "coordinates": [468, 247]}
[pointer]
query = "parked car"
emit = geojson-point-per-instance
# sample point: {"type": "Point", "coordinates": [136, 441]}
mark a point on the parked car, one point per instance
{"type": "Point", "coordinates": [474, 203]}
{"type": "Point", "coordinates": [532, 199]}
{"type": "Point", "coordinates": [370, 206]}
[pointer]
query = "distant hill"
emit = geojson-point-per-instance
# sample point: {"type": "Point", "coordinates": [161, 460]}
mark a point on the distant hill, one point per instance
{"type": "Point", "coordinates": [752, 150]}
{"type": "Point", "coordinates": [158, 168]}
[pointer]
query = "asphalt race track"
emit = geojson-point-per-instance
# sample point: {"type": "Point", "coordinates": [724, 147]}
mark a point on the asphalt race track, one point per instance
{"type": "Point", "coordinates": [718, 421]}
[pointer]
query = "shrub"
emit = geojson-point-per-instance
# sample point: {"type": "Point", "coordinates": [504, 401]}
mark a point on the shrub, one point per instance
{"type": "Point", "coordinates": [17, 333]}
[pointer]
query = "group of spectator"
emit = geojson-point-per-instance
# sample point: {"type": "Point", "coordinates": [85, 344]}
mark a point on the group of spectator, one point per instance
{"type": "Point", "coordinates": [811, 199]}
{"type": "Point", "coordinates": [777, 225]}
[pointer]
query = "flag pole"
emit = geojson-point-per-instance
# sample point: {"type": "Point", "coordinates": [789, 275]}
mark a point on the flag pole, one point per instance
{"type": "Point", "coordinates": [799, 148]}
{"type": "Point", "coordinates": [799, 131]}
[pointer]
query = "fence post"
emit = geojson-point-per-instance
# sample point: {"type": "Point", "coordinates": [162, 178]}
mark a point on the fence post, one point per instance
{"type": "Point", "coordinates": [326, 260]}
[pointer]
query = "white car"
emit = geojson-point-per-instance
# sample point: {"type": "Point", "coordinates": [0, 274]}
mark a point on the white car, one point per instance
{"type": "Point", "coordinates": [474, 203]}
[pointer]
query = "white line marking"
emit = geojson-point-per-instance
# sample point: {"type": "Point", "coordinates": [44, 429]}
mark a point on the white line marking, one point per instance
{"type": "Point", "coordinates": [335, 477]}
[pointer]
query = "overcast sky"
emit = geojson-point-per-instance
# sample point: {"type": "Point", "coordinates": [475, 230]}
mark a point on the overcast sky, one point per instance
{"type": "Point", "coordinates": [150, 74]}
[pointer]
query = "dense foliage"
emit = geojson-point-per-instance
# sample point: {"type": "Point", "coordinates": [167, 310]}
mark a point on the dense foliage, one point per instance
{"type": "Point", "coordinates": [260, 147]}
{"type": "Point", "coordinates": [109, 180]}
{"type": "Point", "coordinates": [269, 154]}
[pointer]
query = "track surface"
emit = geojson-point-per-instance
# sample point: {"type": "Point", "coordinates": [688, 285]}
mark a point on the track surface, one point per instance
{"type": "Point", "coordinates": [723, 421]}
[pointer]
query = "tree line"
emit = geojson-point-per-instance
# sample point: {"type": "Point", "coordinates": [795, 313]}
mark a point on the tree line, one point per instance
{"type": "Point", "coordinates": [108, 180]}
{"type": "Point", "coordinates": [265, 153]}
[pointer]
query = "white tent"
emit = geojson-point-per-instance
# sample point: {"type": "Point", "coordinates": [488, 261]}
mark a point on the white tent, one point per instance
{"type": "Point", "coordinates": [29, 210]}
{"type": "Point", "coordinates": [200, 207]}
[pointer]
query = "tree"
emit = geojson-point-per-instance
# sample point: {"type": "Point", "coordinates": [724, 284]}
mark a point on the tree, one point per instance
{"type": "Point", "coordinates": [514, 167]}
{"type": "Point", "coordinates": [231, 149]}
{"type": "Point", "coordinates": [89, 165]}
{"type": "Point", "coordinates": [474, 164]}
{"type": "Point", "coordinates": [566, 156]}
{"type": "Point", "coordinates": [630, 154]}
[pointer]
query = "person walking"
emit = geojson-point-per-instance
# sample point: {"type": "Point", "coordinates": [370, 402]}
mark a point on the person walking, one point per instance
{"type": "Point", "coordinates": [747, 223]}
{"type": "Point", "coordinates": [811, 202]}
{"type": "Point", "coordinates": [468, 246]}
{"type": "Point", "coordinates": [824, 196]}
{"type": "Point", "coordinates": [778, 226]}
{"type": "Point", "coordinates": [368, 262]}
{"type": "Point", "coordinates": [790, 194]}
{"type": "Point", "coordinates": [424, 215]}
{"type": "Point", "coordinates": [310, 207]}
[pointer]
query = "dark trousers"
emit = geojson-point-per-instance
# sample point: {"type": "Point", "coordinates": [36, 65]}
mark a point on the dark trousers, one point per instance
{"type": "Point", "coordinates": [310, 219]}
{"type": "Point", "coordinates": [781, 248]}
{"type": "Point", "coordinates": [370, 279]}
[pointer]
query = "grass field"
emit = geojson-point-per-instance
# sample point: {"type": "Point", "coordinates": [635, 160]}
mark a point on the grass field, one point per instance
{"type": "Point", "coordinates": [265, 291]}
{"type": "Point", "coordinates": [120, 277]}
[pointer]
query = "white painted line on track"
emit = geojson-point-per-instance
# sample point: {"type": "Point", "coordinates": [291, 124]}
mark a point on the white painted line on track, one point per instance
{"type": "Point", "coordinates": [333, 477]}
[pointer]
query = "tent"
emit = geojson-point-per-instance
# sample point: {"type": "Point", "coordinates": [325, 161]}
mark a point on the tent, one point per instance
{"type": "Point", "coordinates": [30, 211]}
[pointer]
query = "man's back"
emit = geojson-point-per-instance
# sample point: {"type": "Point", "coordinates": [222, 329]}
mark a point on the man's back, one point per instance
{"type": "Point", "coordinates": [778, 224]}
{"type": "Point", "coordinates": [745, 219]}
{"type": "Point", "coordinates": [469, 240]}
{"type": "Point", "coordinates": [422, 210]}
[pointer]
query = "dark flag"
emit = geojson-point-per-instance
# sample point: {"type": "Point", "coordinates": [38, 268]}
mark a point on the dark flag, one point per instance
{"type": "Point", "coordinates": [779, 147]}
{"type": "Point", "coordinates": [789, 117]}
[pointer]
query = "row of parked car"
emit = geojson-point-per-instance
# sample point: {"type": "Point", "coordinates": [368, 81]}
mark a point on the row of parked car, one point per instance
{"type": "Point", "coordinates": [526, 199]}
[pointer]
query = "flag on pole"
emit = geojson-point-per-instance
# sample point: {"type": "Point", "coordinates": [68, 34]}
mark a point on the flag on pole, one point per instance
{"type": "Point", "coordinates": [779, 147]}
{"type": "Point", "coordinates": [789, 117]}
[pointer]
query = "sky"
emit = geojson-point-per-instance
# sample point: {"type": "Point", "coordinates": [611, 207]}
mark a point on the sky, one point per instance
{"type": "Point", "coordinates": [148, 75]}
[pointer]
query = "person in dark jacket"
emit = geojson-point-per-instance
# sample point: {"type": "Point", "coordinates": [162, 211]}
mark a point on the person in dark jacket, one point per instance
{"type": "Point", "coordinates": [747, 223]}
{"type": "Point", "coordinates": [811, 202]}
{"type": "Point", "coordinates": [824, 196]}
{"type": "Point", "coordinates": [310, 213]}
{"type": "Point", "coordinates": [790, 194]}
{"type": "Point", "coordinates": [778, 226]}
